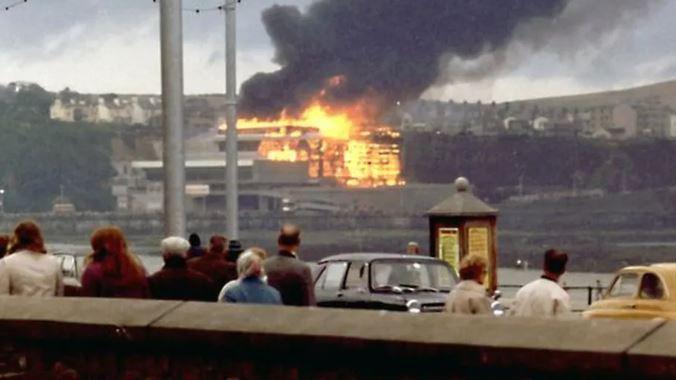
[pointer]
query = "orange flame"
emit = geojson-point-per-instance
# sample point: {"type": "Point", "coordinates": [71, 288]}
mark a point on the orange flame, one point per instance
{"type": "Point", "coordinates": [337, 143]}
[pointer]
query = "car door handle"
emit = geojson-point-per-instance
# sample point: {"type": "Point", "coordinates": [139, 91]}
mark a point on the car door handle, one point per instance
{"type": "Point", "coordinates": [629, 306]}
{"type": "Point", "coordinates": [340, 295]}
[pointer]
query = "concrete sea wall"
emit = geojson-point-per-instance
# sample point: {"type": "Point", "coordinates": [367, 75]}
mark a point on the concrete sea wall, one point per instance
{"type": "Point", "coordinates": [124, 339]}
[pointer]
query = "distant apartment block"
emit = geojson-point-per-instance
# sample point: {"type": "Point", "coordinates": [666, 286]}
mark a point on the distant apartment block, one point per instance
{"type": "Point", "coordinates": [626, 121]}
{"type": "Point", "coordinates": [106, 109]}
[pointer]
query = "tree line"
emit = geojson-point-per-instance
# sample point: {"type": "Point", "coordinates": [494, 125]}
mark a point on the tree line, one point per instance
{"type": "Point", "coordinates": [500, 166]}
{"type": "Point", "coordinates": [40, 157]}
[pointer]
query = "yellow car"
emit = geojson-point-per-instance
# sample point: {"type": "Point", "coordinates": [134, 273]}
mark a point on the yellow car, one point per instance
{"type": "Point", "coordinates": [639, 292]}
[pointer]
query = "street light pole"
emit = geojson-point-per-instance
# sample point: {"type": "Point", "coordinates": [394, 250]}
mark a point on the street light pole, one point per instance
{"type": "Point", "coordinates": [171, 35]}
{"type": "Point", "coordinates": [231, 164]}
{"type": "Point", "coordinates": [2, 201]}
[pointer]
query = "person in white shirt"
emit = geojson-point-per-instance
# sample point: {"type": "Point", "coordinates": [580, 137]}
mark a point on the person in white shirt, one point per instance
{"type": "Point", "coordinates": [544, 297]}
{"type": "Point", "coordinates": [29, 270]}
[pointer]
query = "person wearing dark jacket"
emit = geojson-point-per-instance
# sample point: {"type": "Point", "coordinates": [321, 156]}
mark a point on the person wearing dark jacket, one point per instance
{"type": "Point", "coordinates": [289, 275]}
{"type": "Point", "coordinates": [214, 264]}
{"type": "Point", "coordinates": [175, 281]}
{"type": "Point", "coordinates": [196, 249]}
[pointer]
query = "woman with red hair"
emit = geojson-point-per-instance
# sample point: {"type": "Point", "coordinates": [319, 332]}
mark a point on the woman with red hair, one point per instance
{"type": "Point", "coordinates": [28, 270]}
{"type": "Point", "coordinates": [112, 271]}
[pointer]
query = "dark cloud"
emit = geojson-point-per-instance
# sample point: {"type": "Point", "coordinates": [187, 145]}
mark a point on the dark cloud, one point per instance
{"type": "Point", "coordinates": [396, 49]}
{"type": "Point", "coordinates": [576, 36]}
{"type": "Point", "coordinates": [385, 48]}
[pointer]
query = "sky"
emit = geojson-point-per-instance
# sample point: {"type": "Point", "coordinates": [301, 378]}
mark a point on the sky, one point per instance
{"type": "Point", "coordinates": [103, 46]}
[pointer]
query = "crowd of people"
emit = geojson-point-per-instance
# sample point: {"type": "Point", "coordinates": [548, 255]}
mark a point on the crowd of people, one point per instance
{"type": "Point", "coordinates": [190, 272]}
{"type": "Point", "coordinates": [193, 273]}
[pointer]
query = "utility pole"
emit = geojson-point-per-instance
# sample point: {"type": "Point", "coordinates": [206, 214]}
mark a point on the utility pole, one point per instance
{"type": "Point", "coordinates": [231, 161]}
{"type": "Point", "coordinates": [173, 157]}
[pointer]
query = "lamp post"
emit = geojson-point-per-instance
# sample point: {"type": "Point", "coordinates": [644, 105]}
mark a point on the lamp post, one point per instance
{"type": "Point", "coordinates": [171, 35]}
{"type": "Point", "coordinates": [2, 201]}
{"type": "Point", "coordinates": [231, 164]}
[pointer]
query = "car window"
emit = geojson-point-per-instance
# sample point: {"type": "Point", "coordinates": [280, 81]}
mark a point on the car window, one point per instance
{"type": "Point", "coordinates": [409, 273]}
{"type": "Point", "coordinates": [319, 274]}
{"type": "Point", "coordinates": [333, 276]}
{"type": "Point", "coordinates": [355, 275]}
{"type": "Point", "coordinates": [651, 287]}
{"type": "Point", "coordinates": [625, 285]}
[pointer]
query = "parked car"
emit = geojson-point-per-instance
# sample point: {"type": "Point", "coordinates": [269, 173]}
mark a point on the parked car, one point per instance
{"type": "Point", "coordinates": [383, 281]}
{"type": "Point", "coordinates": [639, 292]}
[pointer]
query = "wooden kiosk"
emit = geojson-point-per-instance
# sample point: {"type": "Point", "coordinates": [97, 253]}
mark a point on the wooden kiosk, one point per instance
{"type": "Point", "coordinates": [463, 224]}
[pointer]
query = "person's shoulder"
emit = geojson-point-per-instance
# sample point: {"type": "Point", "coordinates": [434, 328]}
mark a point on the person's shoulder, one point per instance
{"type": "Point", "coordinates": [271, 291]}
{"type": "Point", "coordinates": [197, 276]}
{"type": "Point", "coordinates": [160, 274]}
{"type": "Point", "coordinates": [298, 263]}
{"type": "Point", "coordinates": [94, 268]}
{"type": "Point", "coordinates": [529, 287]}
{"type": "Point", "coordinates": [52, 258]}
{"type": "Point", "coordinates": [274, 260]}
{"type": "Point", "coordinates": [232, 290]}
{"type": "Point", "coordinates": [17, 256]}
{"type": "Point", "coordinates": [559, 291]}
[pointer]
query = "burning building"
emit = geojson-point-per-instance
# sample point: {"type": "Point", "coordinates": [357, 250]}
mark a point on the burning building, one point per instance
{"type": "Point", "coordinates": [339, 145]}
{"type": "Point", "coordinates": [343, 64]}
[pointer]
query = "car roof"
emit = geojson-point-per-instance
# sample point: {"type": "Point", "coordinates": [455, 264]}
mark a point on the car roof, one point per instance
{"type": "Point", "coordinates": [664, 268]}
{"type": "Point", "coordinates": [375, 256]}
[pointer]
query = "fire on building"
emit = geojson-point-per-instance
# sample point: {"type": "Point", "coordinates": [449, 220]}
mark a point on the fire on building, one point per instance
{"type": "Point", "coordinates": [342, 145]}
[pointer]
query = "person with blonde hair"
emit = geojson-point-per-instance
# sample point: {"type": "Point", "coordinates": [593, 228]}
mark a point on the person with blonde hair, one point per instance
{"type": "Point", "coordinates": [29, 270]}
{"type": "Point", "coordinates": [469, 295]}
{"type": "Point", "coordinates": [111, 269]}
{"type": "Point", "coordinates": [250, 288]}
{"type": "Point", "coordinates": [258, 251]}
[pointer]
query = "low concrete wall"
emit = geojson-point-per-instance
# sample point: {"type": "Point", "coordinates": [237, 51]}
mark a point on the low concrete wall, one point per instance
{"type": "Point", "coordinates": [126, 339]}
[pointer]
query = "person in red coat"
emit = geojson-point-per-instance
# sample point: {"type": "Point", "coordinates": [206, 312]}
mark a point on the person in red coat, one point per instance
{"type": "Point", "coordinates": [215, 265]}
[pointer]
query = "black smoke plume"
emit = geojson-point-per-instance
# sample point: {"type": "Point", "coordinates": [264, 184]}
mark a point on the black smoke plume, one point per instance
{"type": "Point", "coordinates": [387, 50]}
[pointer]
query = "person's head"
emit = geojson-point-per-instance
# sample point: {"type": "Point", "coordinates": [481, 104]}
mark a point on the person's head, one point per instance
{"type": "Point", "coordinates": [258, 251]}
{"type": "Point", "coordinates": [473, 267]}
{"type": "Point", "coordinates": [108, 240]}
{"type": "Point", "coordinates": [249, 264]}
{"type": "Point", "coordinates": [555, 263]}
{"type": "Point", "coordinates": [110, 247]}
{"type": "Point", "coordinates": [4, 244]}
{"type": "Point", "coordinates": [194, 240]}
{"type": "Point", "coordinates": [27, 236]}
{"type": "Point", "coordinates": [174, 246]}
{"type": "Point", "coordinates": [289, 238]}
{"type": "Point", "coordinates": [412, 248]}
{"type": "Point", "coordinates": [218, 244]}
